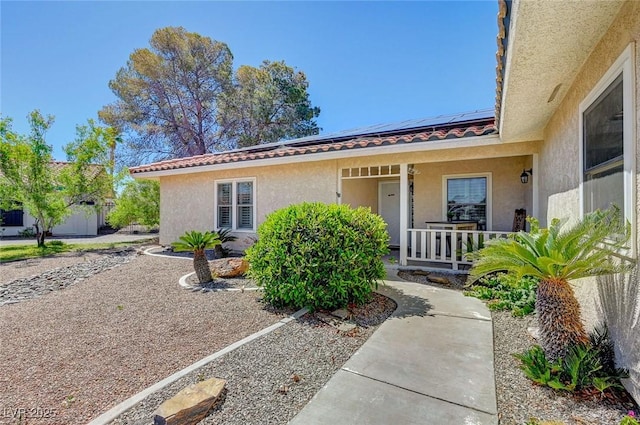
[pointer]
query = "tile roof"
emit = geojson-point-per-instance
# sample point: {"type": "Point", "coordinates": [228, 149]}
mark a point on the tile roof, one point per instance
{"type": "Point", "coordinates": [478, 127]}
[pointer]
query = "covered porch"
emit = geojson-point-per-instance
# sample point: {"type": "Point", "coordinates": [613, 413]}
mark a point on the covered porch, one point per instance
{"type": "Point", "coordinates": [436, 212]}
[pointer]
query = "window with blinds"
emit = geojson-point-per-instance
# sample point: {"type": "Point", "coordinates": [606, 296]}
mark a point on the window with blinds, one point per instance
{"type": "Point", "coordinates": [245, 205]}
{"type": "Point", "coordinates": [235, 204]}
{"type": "Point", "coordinates": [224, 205]}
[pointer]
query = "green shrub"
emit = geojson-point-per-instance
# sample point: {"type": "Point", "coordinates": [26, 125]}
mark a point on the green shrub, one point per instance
{"type": "Point", "coordinates": [319, 256]}
{"type": "Point", "coordinates": [506, 292]}
{"type": "Point", "coordinates": [55, 243]}
{"type": "Point", "coordinates": [584, 366]}
{"type": "Point", "coordinates": [28, 232]}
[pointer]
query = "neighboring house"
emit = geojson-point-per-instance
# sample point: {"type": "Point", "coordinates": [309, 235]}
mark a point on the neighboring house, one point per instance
{"type": "Point", "coordinates": [566, 120]}
{"type": "Point", "coordinates": [84, 221]}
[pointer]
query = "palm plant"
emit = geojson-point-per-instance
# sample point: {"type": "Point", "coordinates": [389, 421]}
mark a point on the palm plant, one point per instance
{"type": "Point", "coordinates": [555, 256]}
{"type": "Point", "coordinates": [197, 242]}
{"type": "Point", "coordinates": [224, 234]}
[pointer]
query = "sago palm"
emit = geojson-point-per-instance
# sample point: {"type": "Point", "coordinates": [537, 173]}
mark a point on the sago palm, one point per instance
{"type": "Point", "coordinates": [197, 242]}
{"type": "Point", "coordinates": [556, 256]}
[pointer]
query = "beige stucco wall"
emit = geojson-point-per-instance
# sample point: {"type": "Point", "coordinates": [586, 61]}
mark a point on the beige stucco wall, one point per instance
{"type": "Point", "coordinates": [559, 164]}
{"type": "Point", "coordinates": [361, 193]}
{"type": "Point", "coordinates": [507, 192]}
{"type": "Point", "coordinates": [187, 200]}
{"type": "Point", "coordinates": [498, 150]}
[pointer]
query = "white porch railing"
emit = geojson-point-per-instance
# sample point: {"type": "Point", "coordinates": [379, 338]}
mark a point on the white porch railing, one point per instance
{"type": "Point", "coordinates": [446, 246]}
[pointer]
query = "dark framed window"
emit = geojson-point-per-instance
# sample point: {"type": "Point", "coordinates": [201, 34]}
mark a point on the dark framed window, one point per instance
{"type": "Point", "coordinates": [467, 199]}
{"type": "Point", "coordinates": [603, 149]}
{"type": "Point", "coordinates": [12, 218]}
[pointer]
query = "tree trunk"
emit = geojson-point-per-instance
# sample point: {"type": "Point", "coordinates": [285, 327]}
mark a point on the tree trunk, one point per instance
{"type": "Point", "coordinates": [559, 318]}
{"type": "Point", "coordinates": [40, 238]}
{"type": "Point", "coordinates": [201, 266]}
{"type": "Point", "coordinates": [40, 233]}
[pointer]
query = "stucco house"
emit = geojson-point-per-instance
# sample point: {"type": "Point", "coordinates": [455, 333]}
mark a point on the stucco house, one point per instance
{"type": "Point", "coordinates": [562, 140]}
{"type": "Point", "coordinates": [84, 220]}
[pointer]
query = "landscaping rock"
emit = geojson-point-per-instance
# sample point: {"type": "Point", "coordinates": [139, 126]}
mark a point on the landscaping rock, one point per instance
{"type": "Point", "coordinates": [341, 313]}
{"type": "Point", "coordinates": [229, 267]}
{"type": "Point", "coordinates": [191, 404]}
{"type": "Point", "coordinates": [439, 279]}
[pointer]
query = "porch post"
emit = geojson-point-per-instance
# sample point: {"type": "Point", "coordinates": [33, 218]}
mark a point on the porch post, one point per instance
{"type": "Point", "coordinates": [404, 212]}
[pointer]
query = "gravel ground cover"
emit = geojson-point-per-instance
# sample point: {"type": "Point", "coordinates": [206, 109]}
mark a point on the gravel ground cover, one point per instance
{"type": "Point", "coordinates": [59, 278]}
{"type": "Point", "coordinates": [77, 352]}
{"type": "Point", "coordinates": [269, 380]}
{"type": "Point", "coordinates": [34, 266]}
{"type": "Point", "coordinates": [222, 283]}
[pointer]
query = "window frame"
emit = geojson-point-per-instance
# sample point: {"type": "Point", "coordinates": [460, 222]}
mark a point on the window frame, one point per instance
{"type": "Point", "coordinates": [234, 203]}
{"type": "Point", "coordinates": [14, 210]}
{"type": "Point", "coordinates": [445, 197]}
{"type": "Point", "coordinates": [623, 65]}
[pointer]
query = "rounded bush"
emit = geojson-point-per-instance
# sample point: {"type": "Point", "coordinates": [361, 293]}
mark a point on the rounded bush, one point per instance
{"type": "Point", "coordinates": [319, 256]}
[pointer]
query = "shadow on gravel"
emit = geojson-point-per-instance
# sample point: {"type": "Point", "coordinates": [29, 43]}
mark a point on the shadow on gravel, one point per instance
{"type": "Point", "coordinates": [408, 305]}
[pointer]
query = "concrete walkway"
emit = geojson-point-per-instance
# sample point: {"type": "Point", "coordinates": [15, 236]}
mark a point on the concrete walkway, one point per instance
{"type": "Point", "coordinates": [431, 362]}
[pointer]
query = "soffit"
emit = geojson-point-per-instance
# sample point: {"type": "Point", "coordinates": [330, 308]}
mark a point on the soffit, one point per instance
{"type": "Point", "coordinates": [548, 42]}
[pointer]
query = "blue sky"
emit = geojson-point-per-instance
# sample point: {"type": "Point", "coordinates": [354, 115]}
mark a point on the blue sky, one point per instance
{"type": "Point", "coordinates": [367, 62]}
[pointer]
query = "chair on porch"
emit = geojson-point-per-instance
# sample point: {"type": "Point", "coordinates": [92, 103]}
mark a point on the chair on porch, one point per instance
{"type": "Point", "coordinates": [519, 220]}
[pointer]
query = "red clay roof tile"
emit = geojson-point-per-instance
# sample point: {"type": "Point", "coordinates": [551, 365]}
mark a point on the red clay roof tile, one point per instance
{"type": "Point", "coordinates": [366, 142]}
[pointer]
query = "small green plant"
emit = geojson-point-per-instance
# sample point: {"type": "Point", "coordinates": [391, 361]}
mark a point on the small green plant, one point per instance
{"type": "Point", "coordinates": [200, 377]}
{"type": "Point", "coordinates": [120, 307]}
{"type": "Point", "coordinates": [557, 255]}
{"type": "Point", "coordinates": [630, 419]}
{"type": "Point", "coordinates": [197, 242]}
{"type": "Point", "coordinates": [319, 256]}
{"type": "Point", "coordinates": [224, 234]}
{"type": "Point", "coordinates": [55, 243]}
{"type": "Point", "coordinates": [27, 233]}
{"type": "Point", "coordinates": [583, 367]}
{"type": "Point", "coordinates": [506, 292]}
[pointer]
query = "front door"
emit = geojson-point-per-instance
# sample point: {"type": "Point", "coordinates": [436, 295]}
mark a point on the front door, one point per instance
{"type": "Point", "coordinates": [389, 208]}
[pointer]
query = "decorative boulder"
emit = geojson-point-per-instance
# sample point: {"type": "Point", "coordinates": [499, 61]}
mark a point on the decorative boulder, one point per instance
{"type": "Point", "coordinates": [229, 267]}
{"type": "Point", "coordinates": [191, 404]}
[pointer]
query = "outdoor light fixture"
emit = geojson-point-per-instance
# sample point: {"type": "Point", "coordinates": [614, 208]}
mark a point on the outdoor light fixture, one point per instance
{"type": "Point", "coordinates": [524, 177]}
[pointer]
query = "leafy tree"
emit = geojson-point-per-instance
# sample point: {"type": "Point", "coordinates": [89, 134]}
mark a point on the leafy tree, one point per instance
{"type": "Point", "coordinates": [197, 242]}
{"type": "Point", "coordinates": [139, 202]}
{"type": "Point", "coordinates": [268, 104]}
{"type": "Point", "coordinates": [555, 256]}
{"type": "Point", "coordinates": [30, 179]}
{"type": "Point", "coordinates": [180, 98]}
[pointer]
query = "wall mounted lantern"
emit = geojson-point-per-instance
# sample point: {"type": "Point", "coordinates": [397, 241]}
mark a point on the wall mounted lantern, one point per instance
{"type": "Point", "coordinates": [524, 177]}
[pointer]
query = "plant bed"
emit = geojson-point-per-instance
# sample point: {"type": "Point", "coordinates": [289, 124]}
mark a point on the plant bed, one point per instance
{"type": "Point", "coordinates": [520, 400]}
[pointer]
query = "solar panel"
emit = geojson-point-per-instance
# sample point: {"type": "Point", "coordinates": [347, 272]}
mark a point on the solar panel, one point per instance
{"type": "Point", "coordinates": [440, 120]}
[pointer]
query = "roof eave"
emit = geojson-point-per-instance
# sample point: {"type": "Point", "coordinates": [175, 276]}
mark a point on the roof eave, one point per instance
{"type": "Point", "coordinates": [465, 142]}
